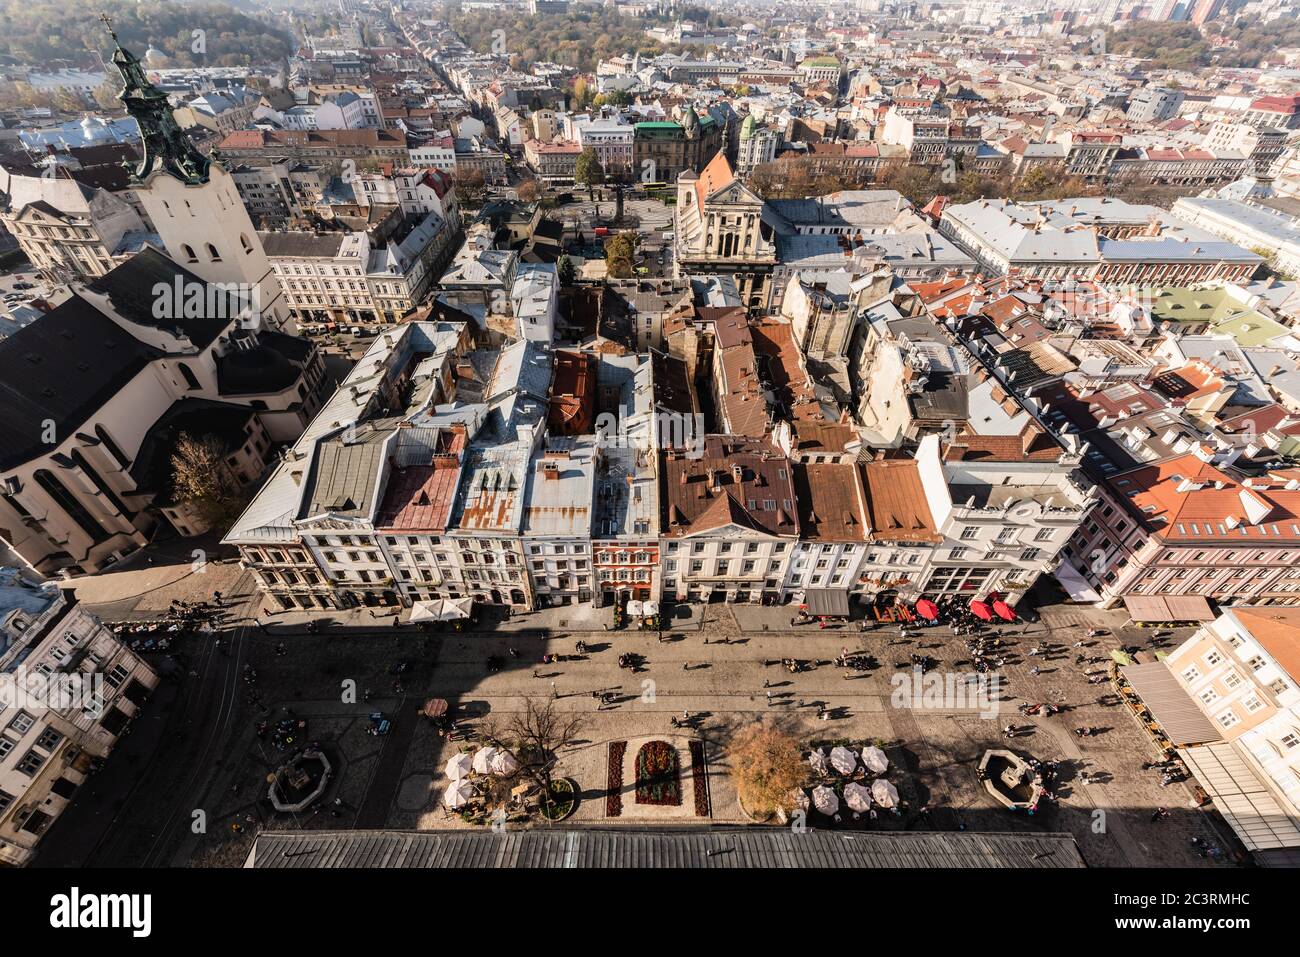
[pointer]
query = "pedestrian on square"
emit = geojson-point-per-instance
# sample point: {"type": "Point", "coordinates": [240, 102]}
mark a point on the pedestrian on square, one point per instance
{"type": "Point", "coordinates": [769, 699]}
{"type": "Point", "coordinates": [554, 693]}
{"type": "Point", "coordinates": [766, 683]}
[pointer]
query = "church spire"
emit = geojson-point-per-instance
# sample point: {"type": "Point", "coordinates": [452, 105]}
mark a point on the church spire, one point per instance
{"type": "Point", "coordinates": [166, 148]}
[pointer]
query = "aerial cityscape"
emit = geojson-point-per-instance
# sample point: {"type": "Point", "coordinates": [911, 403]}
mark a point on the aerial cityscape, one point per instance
{"type": "Point", "coordinates": [650, 434]}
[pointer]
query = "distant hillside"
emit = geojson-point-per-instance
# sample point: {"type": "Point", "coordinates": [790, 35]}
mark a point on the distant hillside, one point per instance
{"type": "Point", "coordinates": [38, 31]}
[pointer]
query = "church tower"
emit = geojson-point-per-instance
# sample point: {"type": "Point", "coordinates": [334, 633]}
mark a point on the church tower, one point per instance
{"type": "Point", "coordinates": [192, 200]}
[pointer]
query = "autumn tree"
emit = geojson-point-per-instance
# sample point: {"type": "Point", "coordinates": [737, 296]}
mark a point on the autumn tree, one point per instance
{"type": "Point", "coordinates": [470, 185]}
{"type": "Point", "coordinates": [588, 172]}
{"type": "Point", "coordinates": [582, 94]}
{"type": "Point", "coordinates": [766, 766]}
{"type": "Point", "coordinates": [201, 479]}
{"type": "Point", "coordinates": [529, 191]}
{"type": "Point", "coordinates": [620, 251]}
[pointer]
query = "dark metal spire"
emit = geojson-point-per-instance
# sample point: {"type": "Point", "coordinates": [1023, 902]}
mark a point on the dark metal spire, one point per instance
{"type": "Point", "coordinates": [166, 148]}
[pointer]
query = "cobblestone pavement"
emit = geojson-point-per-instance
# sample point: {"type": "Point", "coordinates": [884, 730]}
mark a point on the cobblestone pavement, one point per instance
{"type": "Point", "coordinates": [723, 674]}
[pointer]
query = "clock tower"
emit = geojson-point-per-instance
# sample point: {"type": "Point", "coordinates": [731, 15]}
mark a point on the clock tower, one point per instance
{"type": "Point", "coordinates": [192, 200]}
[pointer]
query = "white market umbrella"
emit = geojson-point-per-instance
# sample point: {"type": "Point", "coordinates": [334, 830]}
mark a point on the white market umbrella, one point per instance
{"type": "Point", "coordinates": [844, 760]}
{"type": "Point", "coordinates": [483, 760]}
{"type": "Point", "coordinates": [857, 797]}
{"type": "Point", "coordinates": [504, 763]}
{"type": "Point", "coordinates": [458, 794]}
{"type": "Point", "coordinates": [824, 800]}
{"type": "Point", "coordinates": [634, 608]}
{"type": "Point", "coordinates": [459, 766]}
{"type": "Point", "coordinates": [874, 759]}
{"type": "Point", "coordinates": [426, 610]}
{"type": "Point", "coordinates": [884, 793]}
{"type": "Point", "coordinates": [441, 609]}
{"type": "Point", "coordinates": [818, 761]}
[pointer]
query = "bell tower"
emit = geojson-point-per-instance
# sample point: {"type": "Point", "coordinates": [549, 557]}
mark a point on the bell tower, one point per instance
{"type": "Point", "coordinates": [192, 200]}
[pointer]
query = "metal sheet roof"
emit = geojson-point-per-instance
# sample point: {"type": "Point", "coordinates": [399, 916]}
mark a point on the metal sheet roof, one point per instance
{"type": "Point", "coordinates": [1168, 608]}
{"type": "Point", "coordinates": [1243, 799]}
{"type": "Point", "coordinates": [696, 848]}
{"type": "Point", "coordinates": [1170, 704]}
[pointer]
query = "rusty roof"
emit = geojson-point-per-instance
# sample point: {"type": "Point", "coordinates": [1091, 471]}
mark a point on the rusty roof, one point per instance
{"type": "Point", "coordinates": [737, 480]}
{"type": "Point", "coordinates": [832, 505]}
{"type": "Point", "coordinates": [896, 500]}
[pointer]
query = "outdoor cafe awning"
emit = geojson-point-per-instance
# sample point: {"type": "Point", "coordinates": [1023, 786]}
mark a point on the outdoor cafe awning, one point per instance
{"type": "Point", "coordinates": [827, 602]}
{"type": "Point", "coordinates": [1163, 608]}
{"type": "Point", "coordinates": [1170, 704]}
{"type": "Point", "coordinates": [442, 609]}
{"type": "Point", "coordinates": [1243, 799]}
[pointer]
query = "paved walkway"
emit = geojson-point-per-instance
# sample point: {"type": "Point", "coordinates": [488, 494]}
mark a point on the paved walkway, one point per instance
{"type": "Point", "coordinates": [560, 620]}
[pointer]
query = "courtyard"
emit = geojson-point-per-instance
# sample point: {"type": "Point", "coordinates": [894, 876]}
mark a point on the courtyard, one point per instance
{"type": "Point", "coordinates": [687, 694]}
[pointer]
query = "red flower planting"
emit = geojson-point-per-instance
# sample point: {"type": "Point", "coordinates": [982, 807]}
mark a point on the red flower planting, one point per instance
{"type": "Point", "coordinates": [614, 783]}
{"type": "Point", "coordinates": [699, 775]}
{"type": "Point", "coordinates": [658, 774]}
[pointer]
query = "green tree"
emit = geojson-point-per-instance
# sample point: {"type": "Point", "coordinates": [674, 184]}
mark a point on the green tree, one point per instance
{"type": "Point", "coordinates": [564, 270]}
{"type": "Point", "coordinates": [588, 172]}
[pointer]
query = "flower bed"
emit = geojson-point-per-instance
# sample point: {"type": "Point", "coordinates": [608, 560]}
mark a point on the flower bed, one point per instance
{"type": "Point", "coordinates": [658, 774]}
{"type": "Point", "coordinates": [564, 798]}
{"type": "Point", "coordinates": [699, 776]}
{"type": "Point", "coordinates": [614, 783]}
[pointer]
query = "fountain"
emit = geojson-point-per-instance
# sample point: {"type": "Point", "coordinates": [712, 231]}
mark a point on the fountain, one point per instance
{"type": "Point", "coordinates": [301, 781]}
{"type": "Point", "coordinates": [1012, 782]}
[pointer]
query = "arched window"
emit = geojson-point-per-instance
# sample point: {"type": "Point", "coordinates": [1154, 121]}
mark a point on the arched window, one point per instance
{"type": "Point", "coordinates": [213, 254]}
{"type": "Point", "coordinates": [190, 381]}
{"type": "Point", "coordinates": [190, 256]}
{"type": "Point", "coordinates": [248, 246]}
{"type": "Point", "coordinates": [70, 504]}
{"type": "Point", "coordinates": [112, 447]}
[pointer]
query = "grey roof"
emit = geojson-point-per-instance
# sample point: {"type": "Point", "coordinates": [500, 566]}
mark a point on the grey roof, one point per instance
{"type": "Point", "coordinates": [345, 474]}
{"type": "Point", "coordinates": [302, 244]}
{"type": "Point", "coordinates": [850, 208]}
{"type": "Point", "coordinates": [697, 848]}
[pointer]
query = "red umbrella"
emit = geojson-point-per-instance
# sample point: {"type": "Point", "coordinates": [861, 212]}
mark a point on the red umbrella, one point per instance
{"type": "Point", "coordinates": [981, 611]}
{"type": "Point", "coordinates": [1004, 611]}
{"type": "Point", "coordinates": [927, 609]}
